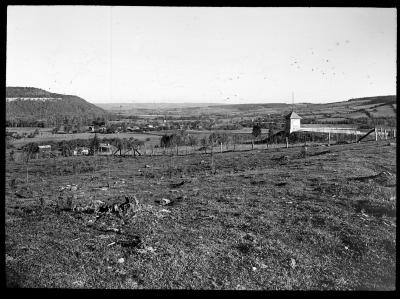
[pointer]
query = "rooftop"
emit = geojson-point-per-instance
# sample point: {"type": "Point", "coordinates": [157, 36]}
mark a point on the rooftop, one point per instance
{"type": "Point", "coordinates": [293, 115]}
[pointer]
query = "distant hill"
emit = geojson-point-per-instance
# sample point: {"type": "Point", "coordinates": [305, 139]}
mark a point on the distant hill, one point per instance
{"type": "Point", "coordinates": [371, 111]}
{"type": "Point", "coordinates": [252, 107]}
{"type": "Point", "coordinates": [377, 100]}
{"type": "Point", "coordinates": [29, 103]}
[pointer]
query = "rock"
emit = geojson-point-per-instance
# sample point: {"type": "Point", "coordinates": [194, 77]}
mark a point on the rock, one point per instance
{"type": "Point", "coordinates": [292, 263]}
{"type": "Point", "coordinates": [121, 272]}
{"type": "Point", "coordinates": [250, 237]}
{"type": "Point", "coordinates": [176, 185]}
{"type": "Point", "coordinates": [131, 283]}
{"type": "Point", "coordinates": [130, 241]}
{"type": "Point", "coordinates": [163, 201]}
{"type": "Point", "coordinates": [78, 283]}
{"type": "Point", "coordinates": [149, 248]}
{"type": "Point", "coordinates": [121, 260]}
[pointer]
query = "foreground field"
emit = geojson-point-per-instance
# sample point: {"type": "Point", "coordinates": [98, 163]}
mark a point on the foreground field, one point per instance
{"type": "Point", "coordinates": [266, 219]}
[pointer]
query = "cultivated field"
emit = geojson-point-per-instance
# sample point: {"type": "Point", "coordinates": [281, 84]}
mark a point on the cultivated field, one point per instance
{"type": "Point", "coordinates": [265, 219]}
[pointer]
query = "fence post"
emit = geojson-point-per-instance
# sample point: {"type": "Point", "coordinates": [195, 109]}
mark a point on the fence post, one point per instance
{"type": "Point", "coordinates": [329, 138]}
{"type": "Point", "coordinates": [376, 134]}
{"type": "Point", "coordinates": [221, 147]}
{"type": "Point", "coordinates": [385, 133]}
{"type": "Point", "coordinates": [212, 161]}
{"type": "Point", "coordinates": [287, 142]}
{"type": "Point", "coordinates": [170, 166]}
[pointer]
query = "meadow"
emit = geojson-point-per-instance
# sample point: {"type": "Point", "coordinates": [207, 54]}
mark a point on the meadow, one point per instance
{"type": "Point", "coordinates": [267, 219]}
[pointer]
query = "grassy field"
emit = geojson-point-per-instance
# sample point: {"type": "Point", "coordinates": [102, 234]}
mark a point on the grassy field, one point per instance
{"type": "Point", "coordinates": [46, 136]}
{"type": "Point", "coordinates": [266, 219]}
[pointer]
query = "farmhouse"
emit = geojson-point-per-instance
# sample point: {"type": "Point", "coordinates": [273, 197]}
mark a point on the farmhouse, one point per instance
{"type": "Point", "coordinates": [61, 130]}
{"type": "Point", "coordinates": [80, 151]}
{"type": "Point", "coordinates": [106, 149]}
{"type": "Point", "coordinates": [44, 148]}
{"type": "Point", "coordinates": [84, 151]}
{"type": "Point", "coordinates": [133, 129]}
{"type": "Point", "coordinates": [97, 129]}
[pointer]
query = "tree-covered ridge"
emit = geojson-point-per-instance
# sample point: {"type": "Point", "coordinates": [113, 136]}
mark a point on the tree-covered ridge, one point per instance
{"type": "Point", "coordinates": [50, 110]}
{"type": "Point", "coordinates": [26, 92]}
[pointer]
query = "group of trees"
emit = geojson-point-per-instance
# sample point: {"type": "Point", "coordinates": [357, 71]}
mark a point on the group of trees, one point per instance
{"type": "Point", "coordinates": [66, 147]}
{"type": "Point", "coordinates": [182, 138]}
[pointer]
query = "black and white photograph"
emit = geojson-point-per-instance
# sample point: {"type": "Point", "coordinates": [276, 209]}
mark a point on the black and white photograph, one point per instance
{"type": "Point", "coordinates": [200, 148]}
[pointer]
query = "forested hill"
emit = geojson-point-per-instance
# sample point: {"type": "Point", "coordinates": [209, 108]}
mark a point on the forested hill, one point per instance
{"type": "Point", "coordinates": [26, 104]}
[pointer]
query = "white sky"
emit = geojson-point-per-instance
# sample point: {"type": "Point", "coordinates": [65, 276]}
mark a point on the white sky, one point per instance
{"type": "Point", "coordinates": [199, 54]}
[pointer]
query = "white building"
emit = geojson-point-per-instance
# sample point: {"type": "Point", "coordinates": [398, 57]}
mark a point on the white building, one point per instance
{"type": "Point", "coordinates": [292, 122]}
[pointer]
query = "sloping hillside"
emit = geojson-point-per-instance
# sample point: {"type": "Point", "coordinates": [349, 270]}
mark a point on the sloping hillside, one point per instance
{"type": "Point", "coordinates": [370, 110]}
{"type": "Point", "coordinates": [343, 106]}
{"type": "Point", "coordinates": [377, 100]}
{"type": "Point", "coordinates": [34, 103]}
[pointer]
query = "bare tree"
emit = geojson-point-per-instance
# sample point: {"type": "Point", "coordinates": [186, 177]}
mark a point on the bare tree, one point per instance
{"type": "Point", "coordinates": [29, 149]}
{"type": "Point", "coordinates": [204, 143]}
{"type": "Point", "coordinates": [192, 141]}
{"type": "Point", "coordinates": [256, 132]}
